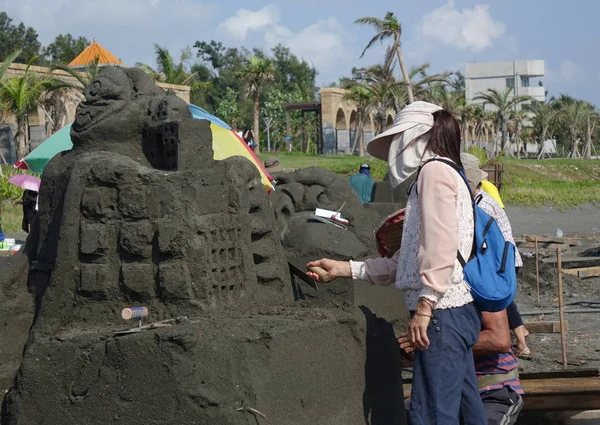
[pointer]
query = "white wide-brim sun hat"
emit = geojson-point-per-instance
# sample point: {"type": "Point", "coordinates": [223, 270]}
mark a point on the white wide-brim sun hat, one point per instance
{"type": "Point", "coordinates": [417, 113]}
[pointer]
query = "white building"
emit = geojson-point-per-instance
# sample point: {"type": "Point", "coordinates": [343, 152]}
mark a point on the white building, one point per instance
{"type": "Point", "coordinates": [522, 76]}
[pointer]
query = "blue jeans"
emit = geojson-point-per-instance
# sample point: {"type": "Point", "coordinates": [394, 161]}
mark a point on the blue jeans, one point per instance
{"type": "Point", "coordinates": [444, 381]}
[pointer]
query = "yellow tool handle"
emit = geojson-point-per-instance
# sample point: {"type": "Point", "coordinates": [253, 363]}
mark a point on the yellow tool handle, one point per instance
{"type": "Point", "coordinates": [325, 277]}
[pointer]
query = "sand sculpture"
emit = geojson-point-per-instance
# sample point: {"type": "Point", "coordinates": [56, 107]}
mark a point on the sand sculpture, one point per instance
{"type": "Point", "coordinates": [138, 213]}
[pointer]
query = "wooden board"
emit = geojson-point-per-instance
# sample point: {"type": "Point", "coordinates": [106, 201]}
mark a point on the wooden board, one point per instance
{"type": "Point", "coordinates": [545, 327]}
{"type": "Point", "coordinates": [554, 246]}
{"type": "Point", "coordinates": [573, 259]}
{"type": "Point", "coordinates": [584, 271]}
{"type": "Point", "coordinates": [551, 239]}
{"type": "Point", "coordinates": [557, 394]}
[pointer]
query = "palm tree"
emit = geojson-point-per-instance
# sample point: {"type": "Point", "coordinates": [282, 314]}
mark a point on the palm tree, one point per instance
{"type": "Point", "coordinates": [422, 88]}
{"type": "Point", "coordinates": [167, 71]}
{"type": "Point", "coordinates": [362, 97]}
{"type": "Point", "coordinates": [544, 113]}
{"type": "Point", "coordinates": [256, 74]}
{"type": "Point", "coordinates": [8, 62]}
{"type": "Point", "coordinates": [590, 122]}
{"type": "Point", "coordinates": [504, 103]}
{"type": "Point", "coordinates": [516, 119]}
{"type": "Point", "coordinates": [83, 78]}
{"type": "Point", "coordinates": [387, 92]}
{"type": "Point", "coordinates": [22, 95]}
{"type": "Point", "coordinates": [573, 114]}
{"type": "Point", "coordinates": [389, 27]}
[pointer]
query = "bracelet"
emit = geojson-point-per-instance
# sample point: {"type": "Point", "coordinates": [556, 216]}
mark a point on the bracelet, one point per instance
{"type": "Point", "coordinates": [428, 301]}
{"type": "Point", "coordinates": [420, 313]}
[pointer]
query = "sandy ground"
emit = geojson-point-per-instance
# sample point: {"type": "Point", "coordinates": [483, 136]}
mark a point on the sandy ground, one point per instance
{"type": "Point", "coordinates": [541, 220]}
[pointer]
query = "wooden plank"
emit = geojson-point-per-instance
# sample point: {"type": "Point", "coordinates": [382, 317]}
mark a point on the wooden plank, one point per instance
{"type": "Point", "coordinates": [584, 271]}
{"type": "Point", "coordinates": [545, 327]}
{"type": "Point", "coordinates": [552, 260]}
{"type": "Point", "coordinates": [552, 239]}
{"type": "Point", "coordinates": [546, 245]}
{"type": "Point", "coordinates": [568, 373]}
{"type": "Point", "coordinates": [558, 394]}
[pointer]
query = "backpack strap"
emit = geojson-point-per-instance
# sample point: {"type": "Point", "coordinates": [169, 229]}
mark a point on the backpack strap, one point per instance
{"type": "Point", "coordinates": [474, 201]}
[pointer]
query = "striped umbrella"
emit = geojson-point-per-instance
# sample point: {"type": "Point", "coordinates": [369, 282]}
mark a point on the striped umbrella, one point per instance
{"type": "Point", "coordinates": [226, 143]}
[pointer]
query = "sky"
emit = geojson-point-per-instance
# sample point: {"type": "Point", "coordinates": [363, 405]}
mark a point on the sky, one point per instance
{"type": "Point", "coordinates": [445, 33]}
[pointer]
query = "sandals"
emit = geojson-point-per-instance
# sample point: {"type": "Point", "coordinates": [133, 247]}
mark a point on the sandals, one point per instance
{"type": "Point", "coordinates": [525, 354]}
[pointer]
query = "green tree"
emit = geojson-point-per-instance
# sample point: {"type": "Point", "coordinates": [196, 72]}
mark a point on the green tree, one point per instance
{"type": "Point", "coordinates": [65, 48]}
{"type": "Point", "coordinates": [291, 72]}
{"type": "Point", "coordinates": [544, 113]}
{"type": "Point", "coordinates": [389, 27]}
{"type": "Point", "coordinates": [362, 97]}
{"type": "Point", "coordinates": [572, 115]}
{"type": "Point", "coordinates": [83, 78]}
{"type": "Point", "coordinates": [167, 71]}
{"type": "Point", "coordinates": [22, 95]}
{"type": "Point", "coordinates": [387, 92]}
{"type": "Point", "coordinates": [504, 103]}
{"type": "Point", "coordinates": [18, 37]}
{"type": "Point", "coordinates": [274, 108]}
{"type": "Point", "coordinates": [229, 109]}
{"type": "Point", "coordinates": [256, 74]}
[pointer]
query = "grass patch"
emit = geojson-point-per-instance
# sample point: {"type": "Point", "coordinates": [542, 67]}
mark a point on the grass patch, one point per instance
{"type": "Point", "coordinates": [345, 165]}
{"type": "Point", "coordinates": [560, 182]}
{"type": "Point", "coordinates": [12, 215]}
{"type": "Point", "coordinates": [563, 183]}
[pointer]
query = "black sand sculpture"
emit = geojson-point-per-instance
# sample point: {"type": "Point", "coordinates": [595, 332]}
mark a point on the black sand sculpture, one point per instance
{"type": "Point", "coordinates": [138, 213]}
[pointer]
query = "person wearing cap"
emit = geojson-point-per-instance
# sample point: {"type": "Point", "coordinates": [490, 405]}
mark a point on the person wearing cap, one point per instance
{"type": "Point", "coordinates": [472, 161]}
{"type": "Point", "coordinates": [439, 221]}
{"type": "Point", "coordinates": [272, 165]}
{"type": "Point", "coordinates": [476, 177]}
{"type": "Point", "coordinates": [363, 184]}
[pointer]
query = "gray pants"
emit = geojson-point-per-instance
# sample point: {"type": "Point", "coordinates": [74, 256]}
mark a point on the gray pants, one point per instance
{"type": "Point", "coordinates": [502, 407]}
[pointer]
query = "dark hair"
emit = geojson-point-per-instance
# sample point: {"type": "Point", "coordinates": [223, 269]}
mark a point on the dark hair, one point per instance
{"type": "Point", "coordinates": [443, 137]}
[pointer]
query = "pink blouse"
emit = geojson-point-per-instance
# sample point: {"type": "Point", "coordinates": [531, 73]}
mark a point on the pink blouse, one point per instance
{"type": "Point", "coordinates": [438, 240]}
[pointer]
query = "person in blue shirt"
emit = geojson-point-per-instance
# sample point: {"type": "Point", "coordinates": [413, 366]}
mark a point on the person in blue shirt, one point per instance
{"type": "Point", "coordinates": [363, 184]}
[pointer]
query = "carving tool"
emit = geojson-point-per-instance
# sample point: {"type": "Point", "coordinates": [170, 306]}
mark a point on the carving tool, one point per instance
{"type": "Point", "coordinates": [296, 271]}
{"type": "Point", "coordinates": [325, 277]}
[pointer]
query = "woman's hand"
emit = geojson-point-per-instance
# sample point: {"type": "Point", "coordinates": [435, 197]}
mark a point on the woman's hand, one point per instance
{"type": "Point", "coordinates": [408, 352]}
{"type": "Point", "coordinates": [417, 328]}
{"type": "Point", "coordinates": [333, 267]}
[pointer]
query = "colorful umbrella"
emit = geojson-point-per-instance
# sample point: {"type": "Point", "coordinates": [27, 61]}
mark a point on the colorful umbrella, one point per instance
{"type": "Point", "coordinates": [226, 143]}
{"type": "Point", "coordinates": [26, 182]}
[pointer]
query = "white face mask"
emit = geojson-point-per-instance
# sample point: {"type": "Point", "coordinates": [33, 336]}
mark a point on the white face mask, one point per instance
{"type": "Point", "coordinates": [404, 162]}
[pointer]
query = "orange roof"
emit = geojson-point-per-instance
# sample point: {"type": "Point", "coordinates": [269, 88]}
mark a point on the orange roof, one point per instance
{"type": "Point", "coordinates": [93, 51]}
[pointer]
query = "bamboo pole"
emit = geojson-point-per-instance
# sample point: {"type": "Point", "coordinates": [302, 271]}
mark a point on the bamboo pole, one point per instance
{"type": "Point", "coordinates": [561, 308]}
{"type": "Point", "coordinates": [537, 269]}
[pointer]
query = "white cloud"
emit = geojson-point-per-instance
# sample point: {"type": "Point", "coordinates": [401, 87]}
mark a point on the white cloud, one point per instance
{"type": "Point", "coordinates": [467, 29]}
{"type": "Point", "coordinates": [569, 70]}
{"type": "Point", "coordinates": [566, 72]}
{"type": "Point", "coordinates": [127, 28]}
{"type": "Point", "coordinates": [321, 44]}
{"type": "Point", "coordinates": [247, 20]}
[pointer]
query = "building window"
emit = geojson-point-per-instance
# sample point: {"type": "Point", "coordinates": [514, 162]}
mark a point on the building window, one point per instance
{"type": "Point", "coordinates": [510, 82]}
{"type": "Point", "coordinates": [524, 81]}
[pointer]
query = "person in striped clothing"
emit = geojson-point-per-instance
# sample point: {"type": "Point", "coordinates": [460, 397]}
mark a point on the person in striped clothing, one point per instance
{"type": "Point", "coordinates": [497, 371]}
{"type": "Point", "coordinates": [490, 205]}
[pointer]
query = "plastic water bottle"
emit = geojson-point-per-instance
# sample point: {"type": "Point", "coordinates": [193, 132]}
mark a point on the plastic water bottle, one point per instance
{"type": "Point", "coordinates": [559, 233]}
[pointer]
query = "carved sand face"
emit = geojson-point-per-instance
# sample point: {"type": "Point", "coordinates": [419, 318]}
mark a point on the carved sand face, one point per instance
{"type": "Point", "coordinates": [107, 96]}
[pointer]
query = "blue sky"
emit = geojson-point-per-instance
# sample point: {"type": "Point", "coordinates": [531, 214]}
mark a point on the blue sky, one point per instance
{"type": "Point", "coordinates": [447, 34]}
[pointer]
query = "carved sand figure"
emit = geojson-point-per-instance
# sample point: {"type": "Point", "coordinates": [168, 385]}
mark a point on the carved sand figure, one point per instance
{"type": "Point", "coordinates": [139, 214]}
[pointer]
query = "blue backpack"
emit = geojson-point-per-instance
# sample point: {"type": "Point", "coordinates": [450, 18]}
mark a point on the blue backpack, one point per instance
{"type": "Point", "coordinates": [490, 270]}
